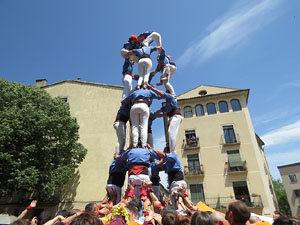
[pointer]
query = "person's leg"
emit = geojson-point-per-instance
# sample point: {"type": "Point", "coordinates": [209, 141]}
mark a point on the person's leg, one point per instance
{"type": "Point", "coordinates": [154, 36]}
{"type": "Point", "coordinates": [141, 65]}
{"type": "Point", "coordinates": [147, 69]}
{"type": "Point", "coordinates": [144, 117]}
{"type": "Point", "coordinates": [118, 192]}
{"type": "Point", "coordinates": [120, 128]}
{"type": "Point", "coordinates": [134, 117]}
{"type": "Point", "coordinates": [167, 74]}
{"type": "Point", "coordinates": [127, 82]}
{"type": "Point", "coordinates": [173, 131]}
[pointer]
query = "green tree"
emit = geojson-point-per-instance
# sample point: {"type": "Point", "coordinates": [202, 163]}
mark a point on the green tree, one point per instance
{"type": "Point", "coordinates": [38, 143]}
{"type": "Point", "coordinates": [281, 196]}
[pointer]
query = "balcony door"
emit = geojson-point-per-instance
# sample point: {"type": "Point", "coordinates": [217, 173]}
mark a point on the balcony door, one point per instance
{"type": "Point", "coordinates": [241, 192]}
{"type": "Point", "coordinates": [197, 193]}
{"type": "Point", "coordinates": [193, 164]}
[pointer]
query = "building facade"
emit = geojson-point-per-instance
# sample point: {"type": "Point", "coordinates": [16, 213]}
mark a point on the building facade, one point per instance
{"type": "Point", "coordinates": [95, 107]}
{"type": "Point", "coordinates": [290, 175]}
{"type": "Point", "coordinates": [222, 156]}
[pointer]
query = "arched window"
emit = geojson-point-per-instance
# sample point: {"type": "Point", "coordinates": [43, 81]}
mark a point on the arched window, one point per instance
{"type": "Point", "coordinates": [223, 107]}
{"type": "Point", "coordinates": [211, 108]}
{"type": "Point", "coordinates": [188, 112]}
{"type": "Point", "coordinates": [235, 105]}
{"type": "Point", "coordinates": [199, 110]}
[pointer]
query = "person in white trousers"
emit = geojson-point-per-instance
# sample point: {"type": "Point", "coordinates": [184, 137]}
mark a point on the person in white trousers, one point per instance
{"type": "Point", "coordinates": [139, 114]}
{"type": "Point", "coordinates": [127, 77]}
{"type": "Point", "coordinates": [138, 161]}
{"type": "Point", "coordinates": [172, 166]}
{"type": "Point", "coordinates": [144, 63]}
{"type": "Point", "coordinates": [167, 68]}
{"type": "Point", "coordinates": [172, 110]}
{"type": "Point", "coordinates": [115, 181]}
{"type": "Point", "coordinates": [120, 126]}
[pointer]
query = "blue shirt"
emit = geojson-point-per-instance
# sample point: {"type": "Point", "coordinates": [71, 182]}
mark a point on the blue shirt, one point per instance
{"type": "Point", "coordinates": [172, 163]}
{"type": "Point", "coordinates": [142, 94]}
{"type": "Point", "coordinates": [144, 51]}
{"type": "Point", "coordinates": [125, 109]}
{"type": "Point", "coordinates": [130, 46]}
{"type": "Point", "coordinates": [162, 60]}
{"type": "Point", "coordinates": [171, 103]}
{"type": "Point", "coordinates": [118, 166]}
{"type": "Point", "coordinates": [138, 156]}
{"type": "Point", "coordinates": [127, 67]}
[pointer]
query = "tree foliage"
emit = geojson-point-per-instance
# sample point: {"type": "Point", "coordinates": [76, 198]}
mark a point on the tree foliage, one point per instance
{"type": "Point", "coordinates": [38, 142]}
{"type": "Point", "coordinates": [281, 197]}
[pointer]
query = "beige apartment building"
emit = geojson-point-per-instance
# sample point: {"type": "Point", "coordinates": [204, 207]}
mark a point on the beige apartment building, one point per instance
{"type": "Point", "coordinates": [222, 156]}
{"type": "Point", "coordinates": [290, 174]}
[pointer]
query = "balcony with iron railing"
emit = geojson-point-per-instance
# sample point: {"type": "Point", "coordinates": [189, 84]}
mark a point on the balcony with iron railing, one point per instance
{"type": "Point", "coordinates": [190, 171]}
{"type": "Point", "coordinates": [190, 144]}
{"type": "Point", "coordinates": [241, 168]}
{"type": "Point", "coordinates": [230, 140]}
{"type": "Point", "coordinates": [220, 203]}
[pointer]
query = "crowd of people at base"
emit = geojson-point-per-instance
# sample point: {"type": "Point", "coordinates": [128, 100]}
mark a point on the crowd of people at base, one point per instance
{"type": "Point", "coordinates": [136, 212]}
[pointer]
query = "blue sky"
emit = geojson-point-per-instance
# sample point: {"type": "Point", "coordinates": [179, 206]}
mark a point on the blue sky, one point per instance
{"type": "Point", "coordinates": [238, 44]}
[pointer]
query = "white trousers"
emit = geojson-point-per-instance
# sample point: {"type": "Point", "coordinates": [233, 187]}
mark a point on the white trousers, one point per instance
{"type": "Point", "coordinates": [174, 187]}
{"type": "Point", "coordinates": [127, 82]}
{"type": "Point", "coordinates": [173, 129]}
{"type": "Point", "coordinates": [168, 71]}
{"type": "Point", "coordinates": [124, 53]}
{"type": "Point", "coordinates": [154, 36]}
{"type": "Point", "coordinates": [113, 187]}
{"type": "Point", "coordinates": [144, 67]}
{"type": "Point", "coordinates": [150, 140]}
{"type": "Point", "coordinates": [120, 128]}
{"type": "Point", "coordinates": [137, 181]}
{"type": "Point", "coordinates": [139, 115]}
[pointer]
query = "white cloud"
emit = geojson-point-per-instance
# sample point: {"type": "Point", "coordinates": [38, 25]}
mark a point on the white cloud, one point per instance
{"type": "Point", "coordinates": [283, 158]}
{"type": "Point", "coordinates": [282, 135]}
{"type": "Point", "coordinates": [292, 84]}
{"type": "Point", "coordinates": [230, 31]}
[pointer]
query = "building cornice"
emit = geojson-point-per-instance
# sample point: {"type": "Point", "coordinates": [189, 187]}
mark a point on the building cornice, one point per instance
{"type": "Point", "coordinates": [293, 164]}
{"type": "Point", "coordinates": [84, 83]}
{"type": "Point", "coordinates": [205, 97]}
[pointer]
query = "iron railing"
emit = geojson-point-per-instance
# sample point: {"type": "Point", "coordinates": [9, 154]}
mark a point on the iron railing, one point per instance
{"type": "Point", "coordinates": [194, 170]}
{"type": "Point", "coordinates": [191, 144]}
{"type": "Point", "coordinates": [253, 201]}
{"type": "Point", "coordinates": [236, 169]}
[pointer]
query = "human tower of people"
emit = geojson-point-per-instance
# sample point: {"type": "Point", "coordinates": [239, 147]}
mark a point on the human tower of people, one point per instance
{"type": "Point", "coordinates": [142, 161]}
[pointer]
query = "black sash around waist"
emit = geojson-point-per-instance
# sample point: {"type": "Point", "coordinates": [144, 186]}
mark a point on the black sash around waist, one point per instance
{"type": "Point", "coordinates": [116, 179]}
{"type": "Point", "coordinates": [175, 176]}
